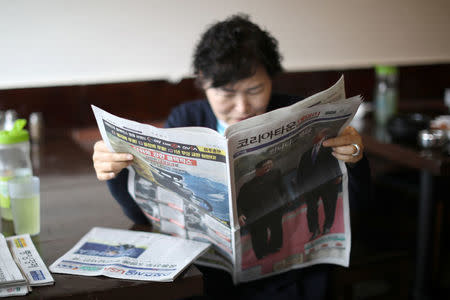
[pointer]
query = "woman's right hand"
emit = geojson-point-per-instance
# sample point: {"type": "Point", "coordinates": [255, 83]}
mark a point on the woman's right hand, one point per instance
{"type": "Point", "coordinates": [108, 164]}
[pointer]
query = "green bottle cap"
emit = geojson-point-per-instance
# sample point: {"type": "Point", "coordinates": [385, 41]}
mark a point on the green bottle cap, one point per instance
{"type": "Point", "coordinates": [385, 70]}
{"type": "Point", "coordinates": [16, 135]}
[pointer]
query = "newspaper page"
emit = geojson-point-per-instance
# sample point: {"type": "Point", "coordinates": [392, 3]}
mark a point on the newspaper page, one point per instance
{"type": "Point", "coordinates": [179, 178]}
{"type": "Point", "coordinates": [129, 254]}
{"type": "Point", "coordinates": [12, 281]}
{"type": "Point", "coordinates": [290, 194]}
{"type": "Point", "coordinates": [17, 290]}
{"type": "Point", "coordinates": [30, 262]}
{"type": "Point", "coordinates": [194, 183]}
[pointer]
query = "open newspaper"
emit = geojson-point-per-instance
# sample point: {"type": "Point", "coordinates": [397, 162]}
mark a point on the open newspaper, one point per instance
{"type": "Point", "coordinates": [250, 192]}
{"type": "Point", "coordinates": [129, 254]}
{"type": "Point", "coordinates": [21, 266]}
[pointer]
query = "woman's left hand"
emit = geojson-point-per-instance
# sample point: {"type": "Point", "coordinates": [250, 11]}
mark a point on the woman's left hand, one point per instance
{"type": "Point", "coordinates": [348, 146]}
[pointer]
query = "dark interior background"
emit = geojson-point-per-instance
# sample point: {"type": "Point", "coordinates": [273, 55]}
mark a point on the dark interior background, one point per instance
{"type": "Point", "coordinates": [421, 88]}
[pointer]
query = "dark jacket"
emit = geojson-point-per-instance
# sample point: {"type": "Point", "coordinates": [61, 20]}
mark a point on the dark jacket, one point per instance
{"type": "Point", "coordinates": [260, 196]}
{"type": "Point", "coordinates": [312, 173]}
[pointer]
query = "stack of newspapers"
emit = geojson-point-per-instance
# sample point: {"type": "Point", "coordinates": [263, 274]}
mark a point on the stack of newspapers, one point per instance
{"type": "Point", "coordinates": [21, 266]}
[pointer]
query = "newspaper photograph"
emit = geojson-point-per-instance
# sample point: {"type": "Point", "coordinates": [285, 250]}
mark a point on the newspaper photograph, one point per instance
{"type": "Point", "coordinates": [291, 193]}
{"type": "Point", "coordinates": [129, 254]}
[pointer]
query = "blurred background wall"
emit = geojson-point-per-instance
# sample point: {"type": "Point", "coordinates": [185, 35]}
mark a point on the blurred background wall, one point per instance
{"type": "Point", "coordinates": [49, 42]}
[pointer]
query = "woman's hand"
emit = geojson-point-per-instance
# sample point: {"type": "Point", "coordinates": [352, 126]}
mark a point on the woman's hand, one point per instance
{"type": "Point", "coordinates": [348, 146]}
{"type": "Point", "coordinates": [106, 163]}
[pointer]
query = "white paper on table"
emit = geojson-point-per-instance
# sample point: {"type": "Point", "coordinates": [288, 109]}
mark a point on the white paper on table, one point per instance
{"type": "Point", "coordinates": [29, 260]}
{"type": "Point", "coordinates": [129, 254]}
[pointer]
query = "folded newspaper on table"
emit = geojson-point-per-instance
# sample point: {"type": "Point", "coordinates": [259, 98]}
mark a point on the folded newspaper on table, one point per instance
{"type": "Point", "coordinates": [129, 254]}
{"type": "Point", "coordinates": [246, 192]}
{"type": "Point", "coordinates": [21, 266]}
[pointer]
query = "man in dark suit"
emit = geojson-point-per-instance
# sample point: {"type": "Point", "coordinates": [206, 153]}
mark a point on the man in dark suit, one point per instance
{"type": "Point", "coordinates": [260, 203]}
{"type": "Point", "coordinates": [319, 176]}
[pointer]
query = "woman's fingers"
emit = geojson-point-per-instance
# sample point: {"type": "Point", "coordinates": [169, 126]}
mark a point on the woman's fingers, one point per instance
{"type": "Point", "coordinates": [348, 146]}
{"type": "Point", "coordinates": [105, 176]}
{"type": "Point", "coordinates": [347, 158]}
{"type": "Point", "coordinates": [111, 157]}
{"type": "Point", "coordinates": [346, 150]}
{"type": "Point", "coordinates": [109, 169]}
{"type": "Point", "coordinates": [111, 166]}
{"type": "Point", "coordinates": [106, 163]}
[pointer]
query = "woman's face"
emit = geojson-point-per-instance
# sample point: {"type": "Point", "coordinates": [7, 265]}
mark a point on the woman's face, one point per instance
{"type": "Point", "coordinates": [241, 100]}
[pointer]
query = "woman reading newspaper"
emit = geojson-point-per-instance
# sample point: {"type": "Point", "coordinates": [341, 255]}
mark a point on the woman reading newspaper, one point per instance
{"type": "Point", "coordinates": [234, 63]}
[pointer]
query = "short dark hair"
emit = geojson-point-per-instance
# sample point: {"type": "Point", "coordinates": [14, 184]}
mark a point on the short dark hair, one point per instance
{"type": "Point", "coordinates": [232, 49]}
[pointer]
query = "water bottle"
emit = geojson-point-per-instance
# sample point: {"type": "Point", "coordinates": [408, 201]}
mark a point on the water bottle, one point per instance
{"type": "Point", "coordinates": [14, 161]}
{"type": "Point", "coordinates": [386, 93]}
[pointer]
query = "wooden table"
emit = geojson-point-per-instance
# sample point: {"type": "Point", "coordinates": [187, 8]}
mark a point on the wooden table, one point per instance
{"type": "Point", "coordinates": [72, 202]}
{"type": "Point", "coordinates": [187, 284]}
{"type": "Point", "coordinates": [431, 164]}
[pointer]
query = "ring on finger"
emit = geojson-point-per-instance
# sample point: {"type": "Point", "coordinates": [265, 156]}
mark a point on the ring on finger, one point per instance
{"type": "Point", "coordinates": [357, 149]}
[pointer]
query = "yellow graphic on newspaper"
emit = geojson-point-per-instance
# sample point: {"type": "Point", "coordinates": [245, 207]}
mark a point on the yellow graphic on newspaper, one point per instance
{"type": "Point", "coordinates": [214, 151]}
{"type": "Point", "coordinates": [20, 243]}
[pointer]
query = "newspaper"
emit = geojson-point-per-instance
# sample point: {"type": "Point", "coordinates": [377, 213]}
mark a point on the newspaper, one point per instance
{"type": "Point", "coordinates": [194, 183]}
{"type": "Point", "coordinates": [12, 281]}
{"type": "Point", "coordinates": [129, 254]}
{"type": "Point", "coordinates": [20, 266]}
{"type": "Point", "coordinates": [29, 260]}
